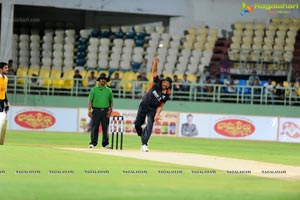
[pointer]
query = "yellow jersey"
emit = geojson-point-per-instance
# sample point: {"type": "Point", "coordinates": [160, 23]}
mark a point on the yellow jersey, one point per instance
{"type": "Point", "coordinates": [3, 86]}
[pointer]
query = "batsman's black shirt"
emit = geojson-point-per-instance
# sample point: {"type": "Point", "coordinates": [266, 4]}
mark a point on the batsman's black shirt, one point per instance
{"type": "Point", "coordinates": [154, 96]}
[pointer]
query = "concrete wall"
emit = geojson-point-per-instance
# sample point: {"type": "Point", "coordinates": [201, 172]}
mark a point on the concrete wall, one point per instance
{"type": "Point", "coordinates": [178, 14]}
{"type": "Point", "coordinates": [156, 7]}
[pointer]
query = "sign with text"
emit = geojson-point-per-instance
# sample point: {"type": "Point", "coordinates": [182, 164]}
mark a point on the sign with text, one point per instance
{"type": "Point", "coordinates": [167, 125]}
{"type": "Point", "coordinates": [228, 126]}
{"type": "Point", "coordinates": [43, 119]}
{"type": "Point", "coordinates": [244, 127]}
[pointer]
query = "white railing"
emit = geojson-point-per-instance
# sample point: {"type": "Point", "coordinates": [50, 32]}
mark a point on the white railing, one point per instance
{"type": "Point", "coordinates": [243, 94]}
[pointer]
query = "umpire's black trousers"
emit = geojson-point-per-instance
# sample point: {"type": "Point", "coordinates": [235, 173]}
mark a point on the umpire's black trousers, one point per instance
{"type": "Point", "coordinates": [99, 115]}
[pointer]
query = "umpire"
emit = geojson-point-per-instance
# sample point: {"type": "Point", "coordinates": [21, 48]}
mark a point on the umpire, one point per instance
{"type": "Point", "coordinates": [99, 109]}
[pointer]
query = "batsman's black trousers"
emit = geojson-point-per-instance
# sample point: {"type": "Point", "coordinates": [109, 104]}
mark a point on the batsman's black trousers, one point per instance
{"type": "Point", "coordinates": [144, 111]}
{"type": "Point", "coordinates": [2, 105]}
{"type": "Point", "coordinates": [99, 115]}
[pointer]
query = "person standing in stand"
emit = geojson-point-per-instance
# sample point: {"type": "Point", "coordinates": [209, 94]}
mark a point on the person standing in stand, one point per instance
{"type": "Point", "coordinates": [100, 107]}
{"type": "Point", "coordinates": [151, 105]}
{"type": "Point", "coordinates": [225, 68]}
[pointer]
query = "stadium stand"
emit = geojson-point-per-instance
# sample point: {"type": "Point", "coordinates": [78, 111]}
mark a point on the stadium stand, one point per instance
{"type": "Point", "coordinates": [54, 53]}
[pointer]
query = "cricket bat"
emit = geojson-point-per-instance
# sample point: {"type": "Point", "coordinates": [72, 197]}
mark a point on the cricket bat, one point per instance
{"type": "Point", "coordinates": [3, 125]}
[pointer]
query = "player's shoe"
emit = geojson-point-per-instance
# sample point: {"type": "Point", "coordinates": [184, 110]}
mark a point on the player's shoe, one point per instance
{"type": "Point", "coordinates": [144, 148]}
{"type": "Point", "coordinates": [107, 147]}
{"type": "Point", "coordinates": [91, 146]}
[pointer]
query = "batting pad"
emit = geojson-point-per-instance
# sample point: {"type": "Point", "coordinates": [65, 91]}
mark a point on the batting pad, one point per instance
{"type": "Point", "coordinates": [3, 123]}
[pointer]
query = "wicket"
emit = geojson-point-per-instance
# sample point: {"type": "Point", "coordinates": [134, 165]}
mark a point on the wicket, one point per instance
{"type": "Point", "coordinates": [117, 126]}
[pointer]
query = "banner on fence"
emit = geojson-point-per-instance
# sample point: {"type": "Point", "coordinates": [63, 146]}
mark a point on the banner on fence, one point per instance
{"type": "Point", "coordinates": [43, 119]}
{"type": "Point", "coordinates": [228, 126]}
{"type": "Point", "coordinates": [289, 130]}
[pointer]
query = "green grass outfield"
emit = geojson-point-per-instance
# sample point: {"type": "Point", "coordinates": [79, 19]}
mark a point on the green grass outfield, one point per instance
{"type": "Point", "coordinates": [33, 152]}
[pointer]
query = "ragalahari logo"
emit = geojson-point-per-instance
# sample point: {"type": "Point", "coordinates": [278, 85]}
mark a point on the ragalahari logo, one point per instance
{"type": "Point", "coordinates": [271, 8]}
{"type": "Point", "coordinates": [246, 9]}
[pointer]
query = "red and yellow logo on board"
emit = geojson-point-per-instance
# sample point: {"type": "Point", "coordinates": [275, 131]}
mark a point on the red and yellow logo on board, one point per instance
{"type": "Point", "coordinates": [35, 119]}
{"type": "Point", "coordinates": [234, 128]}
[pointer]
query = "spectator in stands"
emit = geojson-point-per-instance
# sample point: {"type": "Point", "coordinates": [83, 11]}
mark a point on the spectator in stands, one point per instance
{"type": "Point", "coordinates": [253, 77]}
{"type": "Point", "coordinates": [138, 86]}
{"type": "Point", "coordinates": [143, 67]}
{"type": "Point", "coordinates": [176, 83]}
{"type": "Point", "coordinates": [176, 87]}
{"type": "Point", "coordinates": [294, 90]}
{"type": "Point", "coordinates": [225, 68]}
{"type": "Point", "coordinates": [205, 74]}
{"type": "Point", "coordinates": [11, 69]}
{"type": "Point", "coordinates": [115, 81]}
{"type": "Point", "coordinates": [197, 86]}
{"type": "Point", "coordinates": [185, 83]}
{"type": "Point", "coordinates": [143, 76]}
{"type": "Point", "coordinates": [269, 91]}
{"type": "Point", "coordinates": [208, 88]}
{"type": "Point", "coordinates": [231, 90]}
{"type": "Point", "coordinates": [161, 76]}
{"type": "Point", "coordinates": [184, 86]}
{"type": "Point", "coordinates": [218, 82]}
{"type": "Point", "coordinates": [231, 86]}
{"type": "Point", "coordinates": [297, 88]}
{"type": "Point", "coordinates": [35, 84]}
{"type": "Point", "coordinates": [280, 91]}
{"type": "Point", "coordinates": [91, 80]}
{"type": "Point", "coordinates": [77, 82]}
{"type": "Point", "coordinates": [297, 76]}
{"type": "Point", "coordinates": [11, 73]}
{"type": "Point", "coordinates": [256, 90]}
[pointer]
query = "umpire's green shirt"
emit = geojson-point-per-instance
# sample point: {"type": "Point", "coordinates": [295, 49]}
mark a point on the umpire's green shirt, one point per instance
{"type": "Point", "coordinates": [101, 97]}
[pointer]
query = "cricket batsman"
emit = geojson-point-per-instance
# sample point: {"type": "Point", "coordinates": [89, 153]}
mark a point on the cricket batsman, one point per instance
{"type": "Point", "coordinates": [4, 104]}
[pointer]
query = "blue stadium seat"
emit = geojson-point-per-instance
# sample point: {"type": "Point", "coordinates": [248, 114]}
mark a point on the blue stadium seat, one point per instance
{"type": "Point", "coordinates": [119, 35]}
{"type": "Point", "coordinates": [135, 66]}
{"type": "Point", "coordinates": [140, 36]}
{"type": "Point", "coordinates": [81, 55]}
{"type": "Point", "coordinates": [105, 34]}
{"type": "Point", "coordinates": [83, 40]}
{"type": "Point", "coordinates": [262, 82]}
{"type": "Point", "coordinates": [95, 33]}
{"type": "Point", "coordinates": [130, 35]}
{"type": "Point", "coordinates": [242, 82]}
{"type": "Point", "coordinates": [80, 62]}
{"type": "Point", "coordinates": [111, 70]}
{"type": "Point", "coordinates": [139, 43]}
{"type": "Point", "coordinates": [82, 47]}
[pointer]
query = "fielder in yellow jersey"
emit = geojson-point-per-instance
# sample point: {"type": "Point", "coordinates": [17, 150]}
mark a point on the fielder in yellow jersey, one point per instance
{"type": "Point", "coordinates": [4, 104]}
